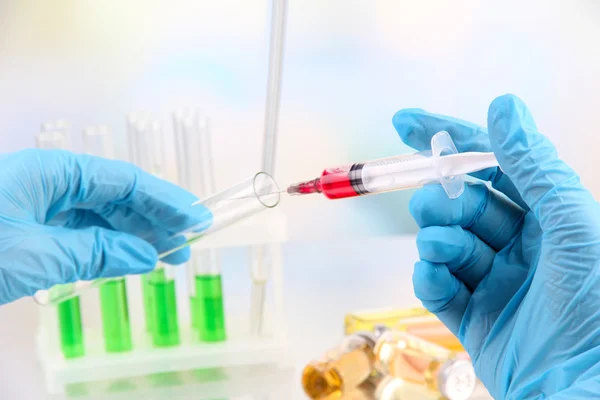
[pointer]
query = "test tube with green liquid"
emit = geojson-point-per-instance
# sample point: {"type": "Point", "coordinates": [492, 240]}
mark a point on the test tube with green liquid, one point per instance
{"type": "Point", "coordinates": [97, 141]}
{"type": "Point", "coordinates": [165, 329]}
{"type": "Point", "coordinates": [147, 150]}
{"type": "Point", "coordinates": [55, 135]}
{"type": "Point", "coordinates": [206, 295]}
{"type": "Point", "coordinates": [71, 328]}
{"type": "Point", "coordinates": [196, 173]}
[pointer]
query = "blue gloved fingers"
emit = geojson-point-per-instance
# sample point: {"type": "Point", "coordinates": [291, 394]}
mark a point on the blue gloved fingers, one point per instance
{"type": "Point", "coordinates": [491, 217]}
{"type": "Point", "coordinates": [58, 255]}
{"type": "Point", "coordinates": [161, 240]}
{"type": "Point", "coordinates": [93, 183]}
{"type": "Point", "coordinates": [416, 127]}
{"type": "Point", "coordinates": [547, 184]}
{"type": "Point", "coordinates": [441, 293]}
{"type": "Point", "coordinates": [466, 256]}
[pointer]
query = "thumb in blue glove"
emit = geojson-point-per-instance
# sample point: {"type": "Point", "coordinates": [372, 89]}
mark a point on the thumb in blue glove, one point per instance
{"type": "Point", "coordinates": [67, 217]}
{"type": "Point", "coordinates": [514, 276]}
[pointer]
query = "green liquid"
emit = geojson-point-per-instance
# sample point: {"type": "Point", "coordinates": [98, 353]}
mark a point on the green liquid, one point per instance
{"type": "Point", "coordinates": [148, 302]}
{"type": "Point", "coordinates": [193, 312]}
{"type": "Point", "coordinates": [209, 311]}
{"type": "Point", "coordinates": [71, 329]}
{"type": "Point", "coordinates": [115, 316]}
{"type": "Point", "coordinates": [165, 332]}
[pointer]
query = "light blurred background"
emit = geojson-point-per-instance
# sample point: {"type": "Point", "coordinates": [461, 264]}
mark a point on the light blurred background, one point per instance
{"type": "Point", "coordinates": [349, 66]}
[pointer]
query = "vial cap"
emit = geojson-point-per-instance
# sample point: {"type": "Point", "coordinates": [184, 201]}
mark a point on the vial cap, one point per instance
{"type": "Point", "coordinates": [457, 380]}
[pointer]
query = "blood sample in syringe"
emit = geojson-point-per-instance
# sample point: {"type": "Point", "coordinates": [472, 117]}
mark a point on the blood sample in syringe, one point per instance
{"type": "Point", "coordinates": [334, 183]}
{"type": "Point", "coordinates": [394, 173]}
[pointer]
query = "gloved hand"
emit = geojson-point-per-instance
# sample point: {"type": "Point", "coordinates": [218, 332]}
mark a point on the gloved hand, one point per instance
{"type": "Point", "coordinates": [67, 217]}
{"type": "Point", "coordinates": [516, 278]}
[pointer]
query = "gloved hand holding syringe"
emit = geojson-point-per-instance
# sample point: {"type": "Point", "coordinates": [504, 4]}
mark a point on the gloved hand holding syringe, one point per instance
{"type": "Point", "coordinates": [442, 164]}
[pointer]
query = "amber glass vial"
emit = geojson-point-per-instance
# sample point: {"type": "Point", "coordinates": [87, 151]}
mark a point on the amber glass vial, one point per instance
{"type": "Point", "coordinates": [342, 369]}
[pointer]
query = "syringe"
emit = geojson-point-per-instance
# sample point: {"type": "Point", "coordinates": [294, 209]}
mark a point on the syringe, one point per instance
{"type": "Point", "coordinates": [442, 164]}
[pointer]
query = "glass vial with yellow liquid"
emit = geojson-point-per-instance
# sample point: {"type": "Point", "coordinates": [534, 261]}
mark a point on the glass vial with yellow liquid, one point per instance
{"type": "Point", "coordinates": [342, 369]}
{"type": "Point", "coordinates": [414, 360]}
{"type": "Point", "coordinates": [416, 321]}
{"type": "Point", "coordinates": [431, 329]}
{"type": "Point", "coordinates": [361, 321]}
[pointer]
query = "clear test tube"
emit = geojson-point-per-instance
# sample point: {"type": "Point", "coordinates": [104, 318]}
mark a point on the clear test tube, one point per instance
{"type": "Point", "coordinates": [141, 153]}
{"type": "Point", "coordinates": [97, 141]}
{"type": "Point", "coordinates": [196, 174]}
{"type": "Point", "coordinates": [54, 136]}
{"type": "Point", "coordinates": [205, 217]}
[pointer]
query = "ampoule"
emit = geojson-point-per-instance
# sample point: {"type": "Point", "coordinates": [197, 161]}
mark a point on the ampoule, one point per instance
{"type": "Point", "coordinates": [342, 368]}
{"type": "Point", "coordinates": [412, 359]}
{"type": "Point", "coordinates": [416, 321]}
{"type": "Point", "coordinates": [431, 329]}
{"type": "Point", "coordinates": [367, 320]}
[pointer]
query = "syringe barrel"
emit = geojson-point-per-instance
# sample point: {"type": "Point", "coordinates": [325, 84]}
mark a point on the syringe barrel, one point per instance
{"type": "Point", "coordinates": [203, 218]}
{"type": "Point", "coordinates": [383, 175]}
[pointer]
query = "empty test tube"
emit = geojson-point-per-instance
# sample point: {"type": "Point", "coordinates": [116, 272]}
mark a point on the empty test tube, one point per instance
{"type": "Point", "coordinates": [342, 369]}
{"type": "Point", "coordinates": [97, 141]}
{"type": "Point", "coordinates": [260, 265]}
{"type": "Point", "coordinates": [55, 135]}
{"type": "Point", "coordinates": [412, 359]}
{"type": "Point", "coordinates": [196, 174]}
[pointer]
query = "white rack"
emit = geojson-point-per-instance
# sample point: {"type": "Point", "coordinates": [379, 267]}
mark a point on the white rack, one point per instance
{"type": "Point", "coordinates": [240, 349]}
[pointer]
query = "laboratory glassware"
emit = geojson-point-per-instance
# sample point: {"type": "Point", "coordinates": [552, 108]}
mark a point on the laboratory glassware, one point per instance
{"type": "Point", "coordinates": [97, 141]}
{"type": "Point", "coordinates": [142, 154]}
{"type": "Point", "coordinates": [412, 359]}
{"type": "Point", "coordinates": [260, 256]}
{"type": "Point", "coordinates": [196, 174]}
{"type": "Point", "coordinates": [367, 320]}
{"type": "Point", "coordinates": [55, 135]}
{"type": "Point", "coordinates": [240, 201]}
{"type": "Point", "coordinates": [442, 164]}
{"type": "Point", "coordinates": [158, 287]}
{"type": "Point", "coordinates": [341, 369]}
{"type": "Point", "coordinates": [431, 329]}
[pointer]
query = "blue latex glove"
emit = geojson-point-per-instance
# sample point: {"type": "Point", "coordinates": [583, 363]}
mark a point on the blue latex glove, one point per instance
{"type": "Point", "coordinates": [516, 278]}
{"type": "Point", "coordinates": [67, 217]}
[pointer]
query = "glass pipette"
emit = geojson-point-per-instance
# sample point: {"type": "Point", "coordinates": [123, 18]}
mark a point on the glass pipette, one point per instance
{"type": "Point", "coordinates": [442, 164]}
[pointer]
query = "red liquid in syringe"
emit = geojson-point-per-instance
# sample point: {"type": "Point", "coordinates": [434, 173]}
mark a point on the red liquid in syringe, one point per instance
{"type": "Point", "coordinates": [334, 183]}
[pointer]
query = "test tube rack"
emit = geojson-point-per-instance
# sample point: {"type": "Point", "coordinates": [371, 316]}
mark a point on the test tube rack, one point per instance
{"type": "Point", "coordinates": [240, 349]}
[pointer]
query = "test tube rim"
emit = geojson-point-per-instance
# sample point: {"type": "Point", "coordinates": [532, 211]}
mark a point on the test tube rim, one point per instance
{"type": "Point", "coordinates": [277, 191]}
